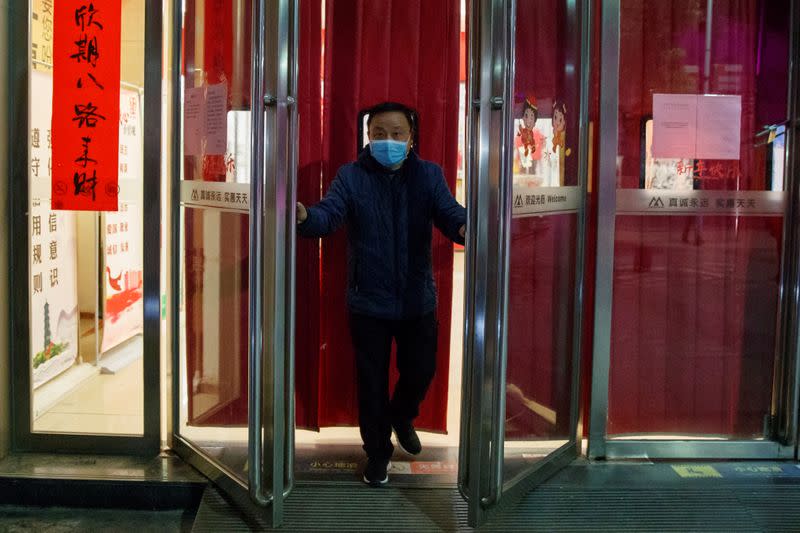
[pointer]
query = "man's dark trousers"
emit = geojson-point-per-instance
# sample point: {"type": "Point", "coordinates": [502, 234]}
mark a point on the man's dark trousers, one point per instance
{"type": "Point", "coordinates": [416, 340]}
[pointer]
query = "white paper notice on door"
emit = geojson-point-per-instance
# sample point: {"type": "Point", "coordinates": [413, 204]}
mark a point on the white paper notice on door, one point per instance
{"type": "Point", "coordinates": [216, 119]}
{"type": "Point", "coordinates": [674, 126]}
{"type": "Point", "coordinates": [193, 122]}
{"type": "Point", "coordinates": [719, 126]}
{"type": "Point", "coordinates": [696, 126]}
{"type": "Point", "coordinates": [205, 120]}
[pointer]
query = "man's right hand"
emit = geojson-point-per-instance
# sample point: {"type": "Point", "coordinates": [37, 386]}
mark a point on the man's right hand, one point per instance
{"type": "Point", "coordinates": [302, 213]}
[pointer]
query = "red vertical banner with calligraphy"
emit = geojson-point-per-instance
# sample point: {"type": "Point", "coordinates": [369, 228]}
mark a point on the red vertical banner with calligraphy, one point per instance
{"type": "Point", "coordinates": [86, 78]}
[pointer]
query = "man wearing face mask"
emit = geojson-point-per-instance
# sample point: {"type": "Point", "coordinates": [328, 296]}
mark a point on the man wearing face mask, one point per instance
{"type": "Point", "coordinates": [390, 199]}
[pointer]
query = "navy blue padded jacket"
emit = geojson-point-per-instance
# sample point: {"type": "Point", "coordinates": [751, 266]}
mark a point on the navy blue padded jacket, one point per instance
{"type": "Point", "coordinates": [389, 216]}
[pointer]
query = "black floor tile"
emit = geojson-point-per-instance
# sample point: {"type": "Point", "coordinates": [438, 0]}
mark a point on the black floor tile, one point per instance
{"type": "Point", "coordinates": [69, 520]}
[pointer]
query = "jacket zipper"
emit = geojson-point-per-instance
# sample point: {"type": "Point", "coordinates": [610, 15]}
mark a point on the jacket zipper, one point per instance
{"type": "Point", "coordinates": [395, 214]}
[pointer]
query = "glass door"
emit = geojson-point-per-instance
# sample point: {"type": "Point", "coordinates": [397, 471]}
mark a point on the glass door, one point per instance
{"type": "Point", "coordinates": [527, 141]}
{"type": "Point", "coordinates": [85, 278]}
{"type": "Point", "coordinates": [232, 257]}
{"type": "Point", "coordinates": [692, 349]}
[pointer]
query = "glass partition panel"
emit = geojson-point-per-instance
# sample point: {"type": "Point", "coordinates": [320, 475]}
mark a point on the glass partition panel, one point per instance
{"type": "Point", "coordinates": [86, 293]}
{"type": "Point", "coordinates": [544, 232]}
{"type": "Point", "coordinates": [214, 232]}
{"type": "Point", "coordinates": [699, 218]}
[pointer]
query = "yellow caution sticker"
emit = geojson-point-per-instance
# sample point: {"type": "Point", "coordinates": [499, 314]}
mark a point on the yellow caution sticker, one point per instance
{"type": "Point", "coordinates": [696, 471]}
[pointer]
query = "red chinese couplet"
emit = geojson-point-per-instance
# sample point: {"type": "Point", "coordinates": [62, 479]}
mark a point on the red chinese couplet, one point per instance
{"type": "Point", "coordinates": [85, 129]}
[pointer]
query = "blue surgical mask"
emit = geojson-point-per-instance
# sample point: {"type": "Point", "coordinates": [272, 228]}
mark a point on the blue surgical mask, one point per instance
{"type": "Point", "coordinates": [388, 153]}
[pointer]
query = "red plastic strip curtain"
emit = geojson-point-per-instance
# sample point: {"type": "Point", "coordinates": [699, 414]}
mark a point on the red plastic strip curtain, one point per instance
{"type": "Point", "coordinates": [309, 175]}
{"type": "Point", "coordinates": [405, 51]}
{"type": "Point", "coordinates": [85, 124]}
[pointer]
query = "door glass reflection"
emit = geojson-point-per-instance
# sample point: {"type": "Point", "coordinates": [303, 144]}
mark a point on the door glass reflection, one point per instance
{"type": "Point", "coordinates": [703, 89]}
{"type": "Point", "coordinates": [214, 230]}
{"type": "Point", "coordinates": [543, 243]}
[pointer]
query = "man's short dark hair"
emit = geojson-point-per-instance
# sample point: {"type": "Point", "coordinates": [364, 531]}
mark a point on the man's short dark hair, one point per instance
{"type": "Point", "coordinates": [389, 107]}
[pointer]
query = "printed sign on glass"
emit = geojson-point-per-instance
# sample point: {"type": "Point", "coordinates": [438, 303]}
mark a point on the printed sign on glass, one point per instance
{"type": "Point", "coordinates": [86, 79]}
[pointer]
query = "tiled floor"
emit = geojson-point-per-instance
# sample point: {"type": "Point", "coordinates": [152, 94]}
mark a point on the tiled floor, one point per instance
{"type": "Point", "coordinates": [98, 402]}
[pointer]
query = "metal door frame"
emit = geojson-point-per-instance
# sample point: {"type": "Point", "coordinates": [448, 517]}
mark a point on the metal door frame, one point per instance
{"type": "Point", "coordinates": [785, 388]}
{"type": "Point", "coordinates": [790, 425]}
{"type": "Point", "coordinates": [489, 190]}
{"type": "Point", "coordinates": [24, 439]}
{"type": "Point", "coordinates": [272, 249]}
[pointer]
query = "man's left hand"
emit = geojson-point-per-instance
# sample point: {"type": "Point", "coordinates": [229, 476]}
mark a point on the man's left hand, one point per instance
{"type": "Point", "coordinates": [462, 231]}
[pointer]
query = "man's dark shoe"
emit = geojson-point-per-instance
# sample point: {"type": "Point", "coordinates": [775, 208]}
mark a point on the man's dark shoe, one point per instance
{"type": "Point", "coordinates": [407, 438]}
{"type": "Point", "coordinates": [377, 472]}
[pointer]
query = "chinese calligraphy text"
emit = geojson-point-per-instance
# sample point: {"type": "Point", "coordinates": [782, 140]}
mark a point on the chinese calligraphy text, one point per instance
{"type": "Point", "coordinates": [85, 128]}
